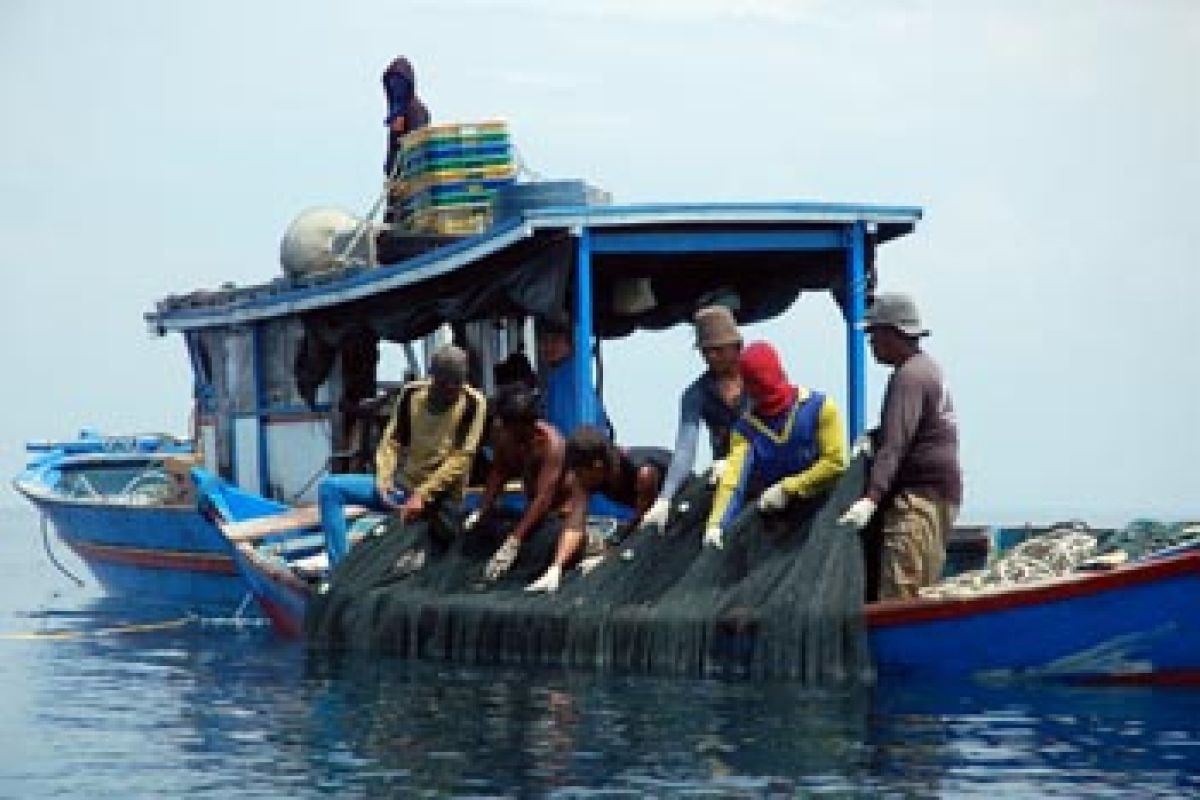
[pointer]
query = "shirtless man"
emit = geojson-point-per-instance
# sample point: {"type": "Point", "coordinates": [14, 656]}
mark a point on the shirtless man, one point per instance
{"type": "Point", "coordinates": [527, 448]}
{"type": "Point", "coordinates": [631, 476]}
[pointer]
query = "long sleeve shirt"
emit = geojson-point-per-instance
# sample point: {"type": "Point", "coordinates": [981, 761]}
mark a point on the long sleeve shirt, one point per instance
{"type": "Point", "coordinates": [916, 445]}
{"type": "Point", "coordinates": [806, 458]}
{"type": "Point", "coordinates": [428, 452]}
{"type": "Point", "coordinates": [701, 402]}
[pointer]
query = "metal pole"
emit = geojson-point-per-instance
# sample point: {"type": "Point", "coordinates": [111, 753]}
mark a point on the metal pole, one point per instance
{"type": "Point", "coordinates": [856, 296]}
{"type": "Point", "coordinates": [584, 398]}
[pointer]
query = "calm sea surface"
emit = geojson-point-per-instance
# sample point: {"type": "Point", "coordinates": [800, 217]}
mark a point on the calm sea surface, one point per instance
{"type": "Point", "coordinates": [95, 706]}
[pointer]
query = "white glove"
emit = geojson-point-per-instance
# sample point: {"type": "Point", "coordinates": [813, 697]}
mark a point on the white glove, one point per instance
{"type": "Point", "coordinates": [775, 498]}
{"type": "Point", "coordinates": [472, 520]}
{"type": "Point", "coordinates": [716, 471]}
{"type": "Point", "coordinates": [502, 560]}
{"type": "Point", "coordinates": [548, 582]}
{"type": "Point", "coordinates": [712, 537]}
{"type": "Point", "coordinates": [656, 515]}
{"type": "Point", "coordinates": [862, 446]}
{"type": "Point", "coordinates": [858, 514]}
{"type": "Point", "coordinates": [590, 563]}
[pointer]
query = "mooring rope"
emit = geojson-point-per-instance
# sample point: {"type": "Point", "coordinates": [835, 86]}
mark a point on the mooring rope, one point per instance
{"type": "Point", "coordinates": [137, 627]}
{"type": "Point", "coordinates": [53, 559]}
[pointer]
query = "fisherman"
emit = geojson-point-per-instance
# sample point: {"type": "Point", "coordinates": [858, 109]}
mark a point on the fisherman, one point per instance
{"type": "Point", "coordinates": [915, 479]}
{"type": "Point", "coordinates": [555, 347]}
{"type": "Point", "coordinates": [789, 445]}
{"type": "Point", "coordinates": [715, 398]}
{"type": "Point", "coordinates": [632, 477]}
{"type": "Point", "coordinates": [530, 449]}
{"type": "Point", "coordinates": [406, 112]}
{"type": "Point", "coordinates": [422, 459]}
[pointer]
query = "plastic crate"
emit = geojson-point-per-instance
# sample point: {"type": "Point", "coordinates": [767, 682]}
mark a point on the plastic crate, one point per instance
{"type": "Point", "coordinates": [487, 130]}
{"type": "Point", "coordinates": [456, 221]}
{"type": "Point", "coordinates": [451, 194]}
{"type": "Point", "coordinates": [411, 185]}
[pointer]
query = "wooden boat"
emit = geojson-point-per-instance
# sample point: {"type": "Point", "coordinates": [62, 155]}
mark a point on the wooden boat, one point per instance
{"type": "Point", "coordinates": [126, 507]}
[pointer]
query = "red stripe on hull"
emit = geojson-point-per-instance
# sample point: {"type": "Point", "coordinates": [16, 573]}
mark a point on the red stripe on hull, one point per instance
{"type": "Point", "coordinates": [905, 612]}
{"type": "Point", "coordinates": [177, 560]}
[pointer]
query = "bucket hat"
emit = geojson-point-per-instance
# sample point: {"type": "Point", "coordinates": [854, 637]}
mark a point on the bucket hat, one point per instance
{"type": "Point", "coordinates": [897, 310]}
{"type": "Point", "coordinates": [715, 327]}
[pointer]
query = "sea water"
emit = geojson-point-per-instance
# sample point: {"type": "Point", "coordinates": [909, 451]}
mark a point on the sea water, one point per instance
{"type": "Point", "coordinates": [105, 698]}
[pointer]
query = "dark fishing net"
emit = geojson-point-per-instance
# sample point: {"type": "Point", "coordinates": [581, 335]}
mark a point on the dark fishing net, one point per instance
{"type": "Point", "coordinates": [783, 598]}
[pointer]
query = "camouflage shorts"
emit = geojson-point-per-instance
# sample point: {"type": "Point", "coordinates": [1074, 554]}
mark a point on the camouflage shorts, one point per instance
{"type": "Point", "coordinates": [915, 530]}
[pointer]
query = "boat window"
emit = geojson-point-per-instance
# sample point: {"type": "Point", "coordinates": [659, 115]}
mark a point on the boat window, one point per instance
{"type": "Point", "coordinates": [239, 370]}
{"type": "Point", "coordinates": [280, 345]}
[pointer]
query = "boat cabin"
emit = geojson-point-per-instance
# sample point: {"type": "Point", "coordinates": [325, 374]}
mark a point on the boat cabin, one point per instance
{"type": "Point", "coordinates": [282, 368]}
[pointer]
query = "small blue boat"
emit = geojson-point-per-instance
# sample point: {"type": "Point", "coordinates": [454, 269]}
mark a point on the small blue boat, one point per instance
{"type": "Point", "coordinates": [126, 507]}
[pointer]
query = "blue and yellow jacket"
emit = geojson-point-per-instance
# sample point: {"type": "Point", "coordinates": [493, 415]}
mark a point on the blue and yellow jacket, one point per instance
{"type": "Point", "coordinates": [805, 447]}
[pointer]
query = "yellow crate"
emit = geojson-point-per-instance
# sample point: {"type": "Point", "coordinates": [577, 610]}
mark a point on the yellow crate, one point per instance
{"type": "Point", "coordinates": [450, 221]}
{"type": "Point", "coordinates": [454, 130]}
{"type": "Point", "coordinates": [410, 185]}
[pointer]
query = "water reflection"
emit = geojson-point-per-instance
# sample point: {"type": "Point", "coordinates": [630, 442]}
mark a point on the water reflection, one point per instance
{"type": "Point", "coordinates": [210, 709]}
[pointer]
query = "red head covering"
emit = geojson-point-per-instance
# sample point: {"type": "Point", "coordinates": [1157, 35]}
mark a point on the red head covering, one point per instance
{"type": "Point", "coordinates": [765, 381]}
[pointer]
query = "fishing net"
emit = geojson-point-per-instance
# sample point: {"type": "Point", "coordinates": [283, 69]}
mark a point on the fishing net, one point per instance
{"type": "Point", "coordinates": [782, 598]}
{"type": "Point", "coordinates": [1065, 549]}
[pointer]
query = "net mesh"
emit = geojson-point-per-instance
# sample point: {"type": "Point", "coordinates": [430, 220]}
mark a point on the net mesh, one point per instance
{"type": "Point", "coordinates": [782, 598]}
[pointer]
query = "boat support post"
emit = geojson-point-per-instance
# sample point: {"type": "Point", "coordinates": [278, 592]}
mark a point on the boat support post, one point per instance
{"type": "Point", "coordinates": [584, 399]}
{"type": "Point", "coordinates": [856, 296]}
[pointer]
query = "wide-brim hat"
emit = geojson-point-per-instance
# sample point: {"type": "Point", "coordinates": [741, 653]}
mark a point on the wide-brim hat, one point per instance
{"type": "Point", "coordinates": [716, 327]}
{"type": "Point", "coordinates": [896, 310]}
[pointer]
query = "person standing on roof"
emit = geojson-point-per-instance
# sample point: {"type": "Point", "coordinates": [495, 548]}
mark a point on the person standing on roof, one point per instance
{"type": "Point", "coordinates": [791, 444]}
{"type": "Point", "coordinates": [527, 448]}
{"type": "Point", "coordinates": [915, 478]}
{"type": "Point", "coordinates": [715, 398]}
{"type": "Point", "coordinates": [423, 457]}
{"type": "Point", "coordinates": [405, 113]}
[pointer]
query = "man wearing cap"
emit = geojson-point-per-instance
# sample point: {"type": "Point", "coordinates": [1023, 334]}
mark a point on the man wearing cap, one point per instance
{"type": "Point", "coordinates": [423, 457]}
{"type": "Point", "coordinates": [715, 398]}
{"type": "Point", "coordinates": [791, 444]}
{"type": "Point", "coordinates": [915, 480]}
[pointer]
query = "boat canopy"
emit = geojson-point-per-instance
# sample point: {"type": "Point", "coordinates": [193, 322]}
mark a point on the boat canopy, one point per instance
{"type": "Point", "coordinates": [579, 262]}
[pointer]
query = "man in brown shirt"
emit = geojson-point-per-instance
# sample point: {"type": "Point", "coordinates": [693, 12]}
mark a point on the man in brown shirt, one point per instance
{"type": "Point", "coordinates": [915, 481]}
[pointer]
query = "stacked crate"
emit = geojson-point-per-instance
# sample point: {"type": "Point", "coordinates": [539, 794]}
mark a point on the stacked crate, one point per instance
{"type": "Point", "coordinates": [448, 175]}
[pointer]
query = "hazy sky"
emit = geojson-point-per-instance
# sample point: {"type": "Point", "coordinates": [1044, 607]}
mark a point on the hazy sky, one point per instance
{"type": "Point", "coordinates": [150, 148]}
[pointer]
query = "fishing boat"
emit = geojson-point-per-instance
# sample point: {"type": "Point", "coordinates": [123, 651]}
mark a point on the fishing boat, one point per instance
{"type": "Point", "coordinates": [125, 505]}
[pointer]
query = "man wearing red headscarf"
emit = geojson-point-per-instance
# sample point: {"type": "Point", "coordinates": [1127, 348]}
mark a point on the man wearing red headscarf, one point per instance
{"type": "Point", "coordinates": [790, 444]}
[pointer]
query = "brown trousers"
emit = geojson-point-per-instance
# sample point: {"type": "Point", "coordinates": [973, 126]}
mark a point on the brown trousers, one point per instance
{"type": "Point", "coordinates": [915, 530]}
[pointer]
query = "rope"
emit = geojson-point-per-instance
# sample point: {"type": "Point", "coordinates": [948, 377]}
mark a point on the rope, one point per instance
{"type": "Point", "coordinates": [50, 554]}
{"type": "Point", "coordinates": [143, 627]}
{"type": "Point", "coordinates": [524, 168]}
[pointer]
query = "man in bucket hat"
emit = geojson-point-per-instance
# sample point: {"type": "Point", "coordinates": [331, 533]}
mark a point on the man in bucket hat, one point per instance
{"type": "Point", "coordinates": [715, 398]}
{"type": "Point", "coordinates": [915, 482]}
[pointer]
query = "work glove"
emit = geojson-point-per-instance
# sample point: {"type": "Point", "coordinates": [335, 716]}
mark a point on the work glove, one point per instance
{"type": "Point", "coordinates": [858, 514]}
{"type": "Point", "coordinates": [590, 563]}
{"type": "Point", "coordinates": [713, 537]}
{"type": "Point", "coordinates": [656, 516]}
{"type": "Point", "coordinates": [472, 520]}
{"type": "Point", "coordinates": [862, 446]}
{"type": "Point", "coordinates": [548, 582]}
{"type": "Point", "coordinates": [715, 471]}
{"type": "Point", "coordinates": [775, 498]}
{"type": "Point", "coordinates": [502, 560]}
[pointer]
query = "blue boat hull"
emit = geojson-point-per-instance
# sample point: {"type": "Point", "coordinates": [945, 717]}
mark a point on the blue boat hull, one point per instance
{"type": "Point", "coordinates": [1134, 624]}
{"type": "Point", "coordinates": [281, 596]}
{"type": "Point", "coordinates": [162, 553]}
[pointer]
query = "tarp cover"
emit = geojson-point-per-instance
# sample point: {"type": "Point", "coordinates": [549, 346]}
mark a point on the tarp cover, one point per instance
{"type": "Point", "coordinates": [783, 598]}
